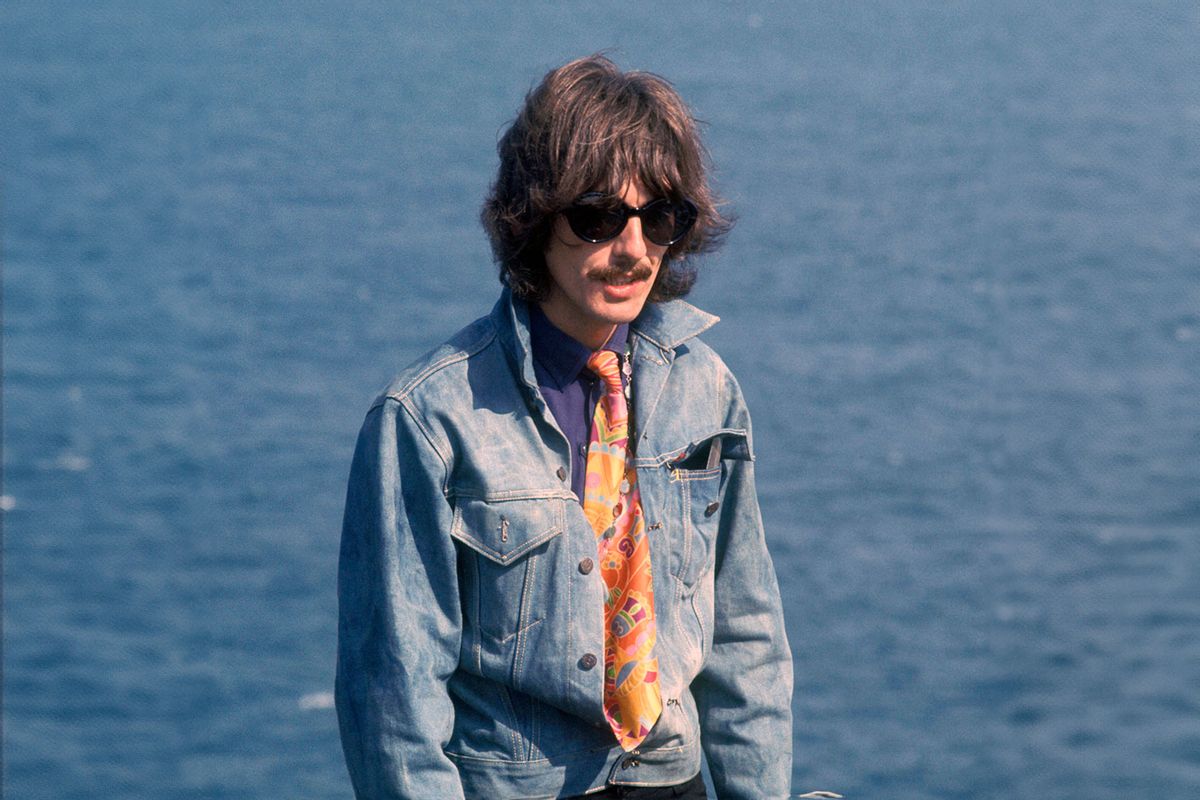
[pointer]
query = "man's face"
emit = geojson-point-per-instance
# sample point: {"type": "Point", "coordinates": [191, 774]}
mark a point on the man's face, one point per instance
{"type": "Point", "coordinates": [594, 287]}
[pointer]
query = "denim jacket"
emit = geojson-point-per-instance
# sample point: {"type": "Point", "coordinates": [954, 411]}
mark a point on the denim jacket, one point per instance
{"type": "Point", "coordinates": [471, 634]}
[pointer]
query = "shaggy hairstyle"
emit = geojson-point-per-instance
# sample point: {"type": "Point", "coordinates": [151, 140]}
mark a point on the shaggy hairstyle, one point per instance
{"type": "Point", "coordinates": [590, 127]}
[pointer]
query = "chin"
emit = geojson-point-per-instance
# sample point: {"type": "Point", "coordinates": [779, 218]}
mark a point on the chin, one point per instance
{"type": "Point", "coordinates": [621, 313]}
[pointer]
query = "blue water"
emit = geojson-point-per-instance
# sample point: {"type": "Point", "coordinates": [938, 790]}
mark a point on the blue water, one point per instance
{"type": "Point", "coordinates": [963, 301]}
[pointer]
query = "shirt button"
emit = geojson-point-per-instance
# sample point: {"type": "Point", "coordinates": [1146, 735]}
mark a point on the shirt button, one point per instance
{"type": "Point", "coordinates": [711, 509]}
{"type": "Point", "coordinates": [587, 662]}
{"type": "Point", "coordinates": [586, 565]}
{"type": "Point", "coordinates": [562, 473]}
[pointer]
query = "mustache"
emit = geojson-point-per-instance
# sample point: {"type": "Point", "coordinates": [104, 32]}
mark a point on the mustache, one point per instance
{"type": "Point", "coordinates": [637, 273]}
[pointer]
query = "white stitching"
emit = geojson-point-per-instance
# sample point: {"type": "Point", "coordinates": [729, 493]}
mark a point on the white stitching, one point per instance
{"type": "Point", "coordinates": [476, 628]}
{"type": "Point", "coordinates": [512, 716]}
{"type": "Point", "coordinates": [686, 525]}
{"type": "Point", "coordinates": [522, 628]}
{"type": "Point", "coordinates": [504, 559]}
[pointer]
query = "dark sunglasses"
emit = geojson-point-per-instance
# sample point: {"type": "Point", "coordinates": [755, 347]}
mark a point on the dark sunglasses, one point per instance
{"type": "Point", "coordinates": [597, 217]}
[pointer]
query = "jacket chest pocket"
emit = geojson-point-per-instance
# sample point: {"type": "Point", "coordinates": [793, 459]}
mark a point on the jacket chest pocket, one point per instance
{"type": "Point", "coordinates": [506, 562]}
{"type": "Point", "coordinates": [698, 472]}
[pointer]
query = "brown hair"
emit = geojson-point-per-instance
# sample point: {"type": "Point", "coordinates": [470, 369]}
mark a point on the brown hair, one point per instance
{"type": "Point", "coordinates": [590, 127]}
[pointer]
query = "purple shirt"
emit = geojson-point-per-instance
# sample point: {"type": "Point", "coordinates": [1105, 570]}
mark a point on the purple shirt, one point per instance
{"type": "Point", "coordinates": [570, 388]}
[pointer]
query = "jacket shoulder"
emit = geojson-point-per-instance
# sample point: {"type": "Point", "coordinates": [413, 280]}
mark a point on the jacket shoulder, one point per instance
{"type": "Point", "coordinates": [699, 353]}
{"type": "Point", "coordinates": [697, 359]}
{"type": "Point", "coordinates": [464, 344]}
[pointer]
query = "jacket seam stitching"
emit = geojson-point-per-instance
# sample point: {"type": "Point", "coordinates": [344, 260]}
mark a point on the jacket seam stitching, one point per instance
{"type": "Point", "coordinates": [690, 475]}
{"type": "Point", "coordinates": [661, 346]}
{"type": "Point", "coordinates": [668, 457]}
{"type": "Point", "coordinates": [512, 495]}
{"type": "Point", "coordinates": [458, 531]}
{"type": "Point", "coordinates": [571, 634]}
{"type": "Point", "coordinates": [476, 625]}
{"type": "Point", "coordinates": [705, 642]}
{"type": "Point", "coordinates": [426, 432]}
{"type": "Point", "coordinates": [462, 354]}
{"type": "Point", "coordinates": [574, 755]}
{"type": "Point", "coordinates": [520, 630]}
{"type": "Point", "coordinates": [685, 523]}
{"type": "Point", "coordinates": [512, 717]}
{"type": "Point", "coordinates": [522, 616]}
{"type": "Point", "coordinates": [677, 603]}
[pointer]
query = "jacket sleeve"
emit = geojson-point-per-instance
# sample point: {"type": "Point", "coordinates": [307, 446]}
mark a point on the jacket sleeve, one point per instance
{"type": "Point", "coordinates": [398, 613]}
{"type": "Point", "coordinates": [744, 692]}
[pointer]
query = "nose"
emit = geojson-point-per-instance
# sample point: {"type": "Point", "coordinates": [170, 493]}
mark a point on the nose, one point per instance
{"type": "Point", "coordinates": [630, 244]}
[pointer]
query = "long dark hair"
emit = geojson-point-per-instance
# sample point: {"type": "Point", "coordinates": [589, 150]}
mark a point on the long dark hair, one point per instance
{"type": "Point", "coordinates": [590, 127]}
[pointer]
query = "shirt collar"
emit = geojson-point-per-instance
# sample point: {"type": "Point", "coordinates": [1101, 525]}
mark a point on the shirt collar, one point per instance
{"type": "Point", "coordinates": [561, 356]}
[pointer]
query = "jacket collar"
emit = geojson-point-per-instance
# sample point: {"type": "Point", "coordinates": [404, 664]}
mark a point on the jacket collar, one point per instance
{"type": "Point", "coordinates": [510, 316]}
{"type": "Point", "coordinates": [670, 324]}
{"type": "Point", "coordinates": [665, 325]}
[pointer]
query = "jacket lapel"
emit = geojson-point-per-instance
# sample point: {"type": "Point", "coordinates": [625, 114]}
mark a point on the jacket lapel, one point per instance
{"type": "Point", "coordinates": [658, 330]}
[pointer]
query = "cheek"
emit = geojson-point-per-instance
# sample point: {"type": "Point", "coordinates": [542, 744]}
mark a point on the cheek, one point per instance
{"type": "Point", "coordinates": [660, 264]}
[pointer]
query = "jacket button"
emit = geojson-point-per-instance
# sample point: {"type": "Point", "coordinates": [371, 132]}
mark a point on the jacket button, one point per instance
{"type": "Point", "coordinates": [711, 509]}
{"type": "Point", "coordinates": [562, 473]}
{"type": "Point", "coordinates": [588, 661]}
{"type": "Point", "coordinates": [586, 565]}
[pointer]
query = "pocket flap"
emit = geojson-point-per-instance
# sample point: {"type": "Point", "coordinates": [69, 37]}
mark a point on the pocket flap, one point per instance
{"type": "Point", "coordinates": [505, 531]}
{"type": "Point", "coordinates": [706, 452]}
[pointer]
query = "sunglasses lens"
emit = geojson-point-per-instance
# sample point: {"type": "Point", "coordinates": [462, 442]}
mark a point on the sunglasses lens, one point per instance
{"type": "Point", "coordinates": [595, 221]}
{"type": "Point", "coordinates": [658, 222]}
{"type": "Point", "coordinates": [665, 223]}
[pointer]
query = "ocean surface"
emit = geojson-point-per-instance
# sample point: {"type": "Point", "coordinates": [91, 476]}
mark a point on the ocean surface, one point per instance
{"type": "Point", "coordinates": [963, 301]}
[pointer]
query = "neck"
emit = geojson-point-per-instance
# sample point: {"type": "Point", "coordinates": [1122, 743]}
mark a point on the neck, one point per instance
{"type": "Point", "coordinates": [592, 335]}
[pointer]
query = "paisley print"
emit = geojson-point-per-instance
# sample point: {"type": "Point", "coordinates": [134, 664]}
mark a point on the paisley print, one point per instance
{"type": "Point", "coordinates": [613, 506]}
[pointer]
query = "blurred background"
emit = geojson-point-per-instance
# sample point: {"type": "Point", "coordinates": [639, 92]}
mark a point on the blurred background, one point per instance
{"type": "Point", "coordinates": [963, 301]}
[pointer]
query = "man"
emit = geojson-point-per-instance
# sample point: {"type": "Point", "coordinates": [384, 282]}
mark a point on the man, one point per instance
{"type": "Point", "coordinates": [553, 579]}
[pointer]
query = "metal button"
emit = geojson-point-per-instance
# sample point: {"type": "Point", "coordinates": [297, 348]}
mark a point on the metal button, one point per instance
{"type": "Point", "coordinates": [583, 450]}
{"type": "Point", "coordinates": [629, 762]}
{"type": "Point", "coordinates": [586, 565]}
{"type": "Point", "coordinates": [587, 662]}
{"type": "Point", "coordinates": [562, 473]}
{"type": "Point", "coordinates": [711, 509]}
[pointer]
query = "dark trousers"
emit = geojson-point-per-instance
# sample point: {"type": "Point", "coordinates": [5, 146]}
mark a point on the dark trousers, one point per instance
{"type": "Point", "coordinates": [688, 790]}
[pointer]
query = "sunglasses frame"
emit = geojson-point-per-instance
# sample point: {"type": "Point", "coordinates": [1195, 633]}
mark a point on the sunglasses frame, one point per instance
{"type": "Point", "coordinates": [687, 207]}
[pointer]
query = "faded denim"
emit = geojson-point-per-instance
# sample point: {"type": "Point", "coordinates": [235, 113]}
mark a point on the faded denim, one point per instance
{"type": "Point", "coordinates": [467, 615]}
